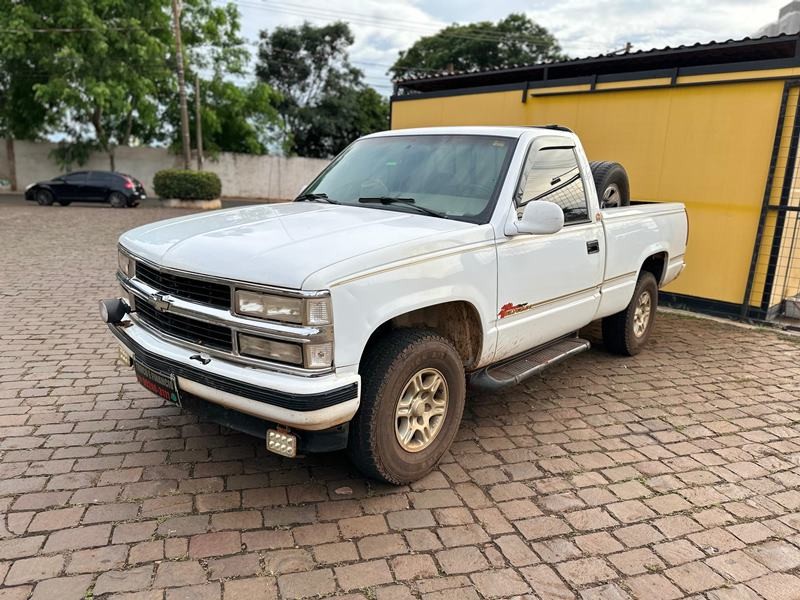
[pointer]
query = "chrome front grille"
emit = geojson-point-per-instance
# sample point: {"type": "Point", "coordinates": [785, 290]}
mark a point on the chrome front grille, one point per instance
{"type": "Point", "coordinates": [196, 311]}
{"type": "Point", "coordinates": [197, 290]}
{"type": "Point", "coordinates": [191, 330]}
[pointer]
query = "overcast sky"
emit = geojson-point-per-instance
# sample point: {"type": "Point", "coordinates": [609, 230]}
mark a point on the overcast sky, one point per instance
{"type": "Point", "coordinates": [583, 27]}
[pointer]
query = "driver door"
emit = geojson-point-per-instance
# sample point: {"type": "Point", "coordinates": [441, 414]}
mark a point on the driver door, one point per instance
{"type": "Point", "coordinates": [72, 187]}
{"type": "Point", "coordinates": [549, 285]}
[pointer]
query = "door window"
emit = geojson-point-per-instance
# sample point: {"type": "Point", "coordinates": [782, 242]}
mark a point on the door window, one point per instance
{"type": "Point", "coordinates": [75, 178]}
{"type": "Point", "coordinates": [551, 173]}
{"type": "Point", "coordinates": [100, 178]}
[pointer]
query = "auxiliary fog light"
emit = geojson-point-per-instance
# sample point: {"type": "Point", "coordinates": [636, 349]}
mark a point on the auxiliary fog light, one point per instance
{"type": "Point", "coordinates": [319, 355]}
{"type": "Point", "coordinates": [282, 442]}
{"type": "Point", "coordinates": [113, 310]}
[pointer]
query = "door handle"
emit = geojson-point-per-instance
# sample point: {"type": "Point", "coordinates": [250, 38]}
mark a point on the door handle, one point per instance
{"type": "Point", "coordinates": [592, 247]}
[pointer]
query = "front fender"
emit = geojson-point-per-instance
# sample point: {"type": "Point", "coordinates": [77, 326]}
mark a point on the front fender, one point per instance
{"type": "Point", "coordinates": [362, 304]}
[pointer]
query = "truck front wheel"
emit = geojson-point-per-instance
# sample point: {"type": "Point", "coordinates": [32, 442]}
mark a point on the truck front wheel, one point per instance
{"type": "Point", "coordinates": [412, 399]}
{"type": "Point", "coordinates": [627, 331]}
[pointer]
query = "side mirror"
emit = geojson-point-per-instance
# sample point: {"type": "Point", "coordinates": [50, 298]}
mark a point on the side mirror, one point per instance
{"type": "Point", "coordinates": [539, 218]}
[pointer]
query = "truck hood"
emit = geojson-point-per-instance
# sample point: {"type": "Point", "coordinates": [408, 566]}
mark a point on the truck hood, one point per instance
{"type": "Point", "coordinates": [284, 244]}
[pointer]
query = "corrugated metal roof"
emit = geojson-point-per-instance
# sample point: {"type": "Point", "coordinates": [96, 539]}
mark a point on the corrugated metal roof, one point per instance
{"type": "Point", "coordinates": [745, 50]}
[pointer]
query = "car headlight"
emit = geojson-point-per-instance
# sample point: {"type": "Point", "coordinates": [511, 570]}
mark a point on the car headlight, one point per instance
{"type": "Point", "coordinates": [29, 186]}
{"type": "Point", "coordinates": [303, 311]}
{"type": "Point", "coordinates": [126, 263]}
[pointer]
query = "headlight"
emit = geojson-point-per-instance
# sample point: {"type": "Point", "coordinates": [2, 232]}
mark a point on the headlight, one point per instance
{"type": "Point", "coordinates": [258, 347]}
{"type": "Point", "coordinates": [303, 311]}
{"type": "Point", "coordinates": [125, 263]}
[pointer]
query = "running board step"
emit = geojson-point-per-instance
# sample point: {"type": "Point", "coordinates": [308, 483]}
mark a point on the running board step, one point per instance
{"type": "Point", "coordinates": [515, 370]}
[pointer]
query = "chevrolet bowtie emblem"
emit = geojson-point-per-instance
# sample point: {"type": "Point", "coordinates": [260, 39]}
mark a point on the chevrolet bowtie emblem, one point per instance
{"type": "Point", "coordinates": [161, 302]}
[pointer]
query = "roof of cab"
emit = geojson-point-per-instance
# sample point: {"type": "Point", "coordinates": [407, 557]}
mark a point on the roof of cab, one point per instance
{"type": "Point", "coordinates": [496, 131]}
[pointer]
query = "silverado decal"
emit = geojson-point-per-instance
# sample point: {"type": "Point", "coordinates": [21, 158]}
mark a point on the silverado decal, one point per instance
{"type": "Point", "coordinates": [512, 309]}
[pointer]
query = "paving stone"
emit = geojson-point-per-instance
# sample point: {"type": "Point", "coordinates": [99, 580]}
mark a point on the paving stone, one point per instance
{"type": "Point", "coordinates": [776, 555]}
{"type": "Point", "coordinates": [694, 577]}
{"type": "Point", "coordinates": [215, 544]}
{"type": "Point", "coordinates": [88, 536]}
{"type": "Point", "coordinates": [207, 591]}
{"type": "Point", "coordinates": [653, 587]}
{"type": "Point", "coordinates": [27, 570]}
{"type": "Point", "coordinates": [63, 588]}
{"type": "Point", "coordinates": [516, 551]}
{"type": "Point", "coordinates": [499, 584]}
{"type": "Point", "coordinates": [242, 565]}
{"type": "Point", "coordinates": [364, 574]}
{"type": "Point", "coordinates": [179, 574]}
{"type": "Point", "coordinates": [303, 585]}
{"type": "Point", "coordinates": [413, 566]}
{"type": "Point", "coordinates": [737, 566]}
{"type": "Point", "coordinates": [461, 560]}
{"type": "Point", "coordinates": [253, 588]}
{"type": "Point", "coordinates": [97, 560]}
{"type": "Point", "coordinates": [585, 571]}
{"type": "Point", "coordinates": [132, 580]}
{"type": "Point", "coordinates": [776, 586]}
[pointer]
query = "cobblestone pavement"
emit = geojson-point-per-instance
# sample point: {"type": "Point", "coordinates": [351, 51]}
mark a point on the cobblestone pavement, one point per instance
{"type": "Point", "coordinates": [672, 474]}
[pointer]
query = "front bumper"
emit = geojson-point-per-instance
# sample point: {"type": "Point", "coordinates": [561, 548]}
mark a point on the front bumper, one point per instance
{"type": "Point", "coordinates": [306, 403]}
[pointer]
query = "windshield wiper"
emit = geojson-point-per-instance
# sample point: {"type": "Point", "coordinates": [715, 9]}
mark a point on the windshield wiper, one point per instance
{"type": "Point", "coordinates": [312, 197]}
{"type": "Point", "coordinates": [404, 201]}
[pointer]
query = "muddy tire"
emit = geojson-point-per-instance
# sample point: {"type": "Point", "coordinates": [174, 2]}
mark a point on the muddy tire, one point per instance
{"type": "Point", "coordinates": [627, 331]}
{"type": "Point", "coordinates": [412, 400]}
{"type": "Point", "coordinates": [611, 182]}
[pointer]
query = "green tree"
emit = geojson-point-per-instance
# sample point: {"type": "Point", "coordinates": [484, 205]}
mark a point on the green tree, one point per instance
{"type": "Point", "coordinates": [325, 103]}
{"type": "Point", "coordinates": [104, 69]}
{"type": "Point", "coordinates": [515, 40]}
{"type": "Point", "coordinates": [235, 118]}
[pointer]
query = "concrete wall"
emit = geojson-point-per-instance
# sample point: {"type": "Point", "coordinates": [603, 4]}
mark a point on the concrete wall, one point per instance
{"type": "Point", "coordinates": [242, 175]}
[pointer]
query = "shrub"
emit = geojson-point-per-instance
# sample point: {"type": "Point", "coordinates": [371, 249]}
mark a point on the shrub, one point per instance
{"type": "Point", "coordinates": [187, 185]}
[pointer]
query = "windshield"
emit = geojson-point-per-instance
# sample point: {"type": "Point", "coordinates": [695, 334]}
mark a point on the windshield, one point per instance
{"type": "Point", "coordinates": [454, 175]}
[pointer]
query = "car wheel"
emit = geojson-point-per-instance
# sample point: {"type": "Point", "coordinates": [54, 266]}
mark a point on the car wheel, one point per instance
{"type": "Point", "coordinates": [413, 394]}
{"type": "Point", "coordinates": [117, 200]}
{"type": "Point", "coordinates": [627, 331]}
{"type": "Point", "coordinates": [611, 182]}
{"type": "Point", "coordinates": [44, 197]}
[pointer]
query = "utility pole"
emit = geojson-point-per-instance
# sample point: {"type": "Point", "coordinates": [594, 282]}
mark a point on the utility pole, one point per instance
{"type": "Point", "coordinates": [176, 23]}
{"type": "Point", "coordinates": [198, 122]}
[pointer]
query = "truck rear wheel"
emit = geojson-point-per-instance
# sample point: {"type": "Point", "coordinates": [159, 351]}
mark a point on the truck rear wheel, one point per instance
{"type": "Point", "coordinates": [611, 181]}
{"type": "Point", "coordinates": [627, 331]}
{"type": "Point", "coordinates": [412, 400]}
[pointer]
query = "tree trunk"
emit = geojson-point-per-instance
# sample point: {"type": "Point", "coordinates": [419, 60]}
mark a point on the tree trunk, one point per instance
{"type": "Point", "coordinates": [111, 157]}
{"type": "Point", "coordinates": [12, 163]}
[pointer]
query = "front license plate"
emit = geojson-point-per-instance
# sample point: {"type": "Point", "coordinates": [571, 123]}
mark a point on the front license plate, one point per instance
{"type": "Point", "coordinates": [162, 384]}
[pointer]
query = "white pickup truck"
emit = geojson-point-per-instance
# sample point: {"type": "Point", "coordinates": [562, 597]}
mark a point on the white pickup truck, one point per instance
{"type": "Point", "coordinates": [419, 262]}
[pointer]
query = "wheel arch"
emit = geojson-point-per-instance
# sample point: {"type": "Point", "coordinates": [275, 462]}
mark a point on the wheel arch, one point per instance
{"type": "Point", "coordinates": [457, 320]}
{"type": "Point", "coordinates": [656, 263]}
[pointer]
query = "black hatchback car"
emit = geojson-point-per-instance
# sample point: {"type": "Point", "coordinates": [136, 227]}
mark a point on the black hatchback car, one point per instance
{"type": "Point", "coordinates": [118, 189]}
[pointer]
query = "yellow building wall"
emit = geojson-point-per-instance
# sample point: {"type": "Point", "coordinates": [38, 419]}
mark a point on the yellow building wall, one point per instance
{"type": "Point", "coordinates": [707, 146]}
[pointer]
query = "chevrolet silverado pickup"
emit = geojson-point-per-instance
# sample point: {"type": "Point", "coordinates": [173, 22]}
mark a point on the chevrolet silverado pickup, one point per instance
{"type": "Point", "coordinates": [418, 263]}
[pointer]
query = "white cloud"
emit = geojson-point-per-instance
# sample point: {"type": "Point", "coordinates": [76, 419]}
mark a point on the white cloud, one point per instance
{"type": "Point", "coordinates": [584, 27]}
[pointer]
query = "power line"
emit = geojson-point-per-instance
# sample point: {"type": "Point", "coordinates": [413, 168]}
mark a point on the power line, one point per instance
{"type": "Point", "coordinates": [323, 14]}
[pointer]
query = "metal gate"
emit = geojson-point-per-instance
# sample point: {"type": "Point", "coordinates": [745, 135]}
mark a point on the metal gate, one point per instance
{"type": "Point", "coordinates": [773, 283]}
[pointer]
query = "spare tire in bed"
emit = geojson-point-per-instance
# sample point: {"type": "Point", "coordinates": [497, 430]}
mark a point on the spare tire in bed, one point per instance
{"type": "Point", "coordinates": [611, 181]}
